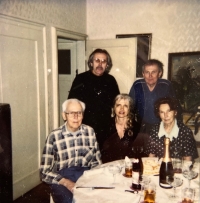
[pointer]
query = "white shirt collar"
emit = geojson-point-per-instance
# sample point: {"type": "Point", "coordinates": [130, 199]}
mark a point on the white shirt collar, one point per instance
{"type": "Point", "coordinates": [174, 132]}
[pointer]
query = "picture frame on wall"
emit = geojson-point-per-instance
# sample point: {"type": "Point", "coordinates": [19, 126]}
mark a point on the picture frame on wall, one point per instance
{"type": "Point", "coordinates": [143, 49]}
{"type": "Point", "coordinates": [182, 59]}
{"type": "Point", "coordinates": [184, 74]}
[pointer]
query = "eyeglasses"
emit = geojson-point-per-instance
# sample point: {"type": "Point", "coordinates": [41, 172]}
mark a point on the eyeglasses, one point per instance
{"type": "Point", "coordinates": [74, 113]}
{"type": "Point", "coordinates": [102, 61]}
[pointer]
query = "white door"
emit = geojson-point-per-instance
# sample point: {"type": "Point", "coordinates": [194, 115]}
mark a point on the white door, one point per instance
{"type": "Point", "coordinates": [65, 80]}
{"type": "Point", "coordinates": [123, 53]}
{"type": "Point", "coordinates": [23, 86]}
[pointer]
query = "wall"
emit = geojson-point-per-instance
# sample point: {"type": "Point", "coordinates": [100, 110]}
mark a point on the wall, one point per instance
{"type": "Point", "coordinates": [174, 24]}
{"type": "Point", "coordinates": [64, 14]}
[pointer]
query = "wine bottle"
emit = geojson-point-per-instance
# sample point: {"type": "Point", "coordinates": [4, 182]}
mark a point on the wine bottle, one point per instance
{"type": "Point", "coordinates": [166, 168]}
{"type": "Point", "coordinates": [136, 174]}
{"type": "Point", "coordinates": [137, 151]}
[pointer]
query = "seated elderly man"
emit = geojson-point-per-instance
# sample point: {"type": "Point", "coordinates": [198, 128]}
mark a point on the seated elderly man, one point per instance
{"type": "Point", "coordinates": [69, 151]}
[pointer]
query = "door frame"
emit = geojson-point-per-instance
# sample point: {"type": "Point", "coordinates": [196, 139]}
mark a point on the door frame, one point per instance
{"type": "Point", "coordinates": [80, 39]}
{"type": "Point", "coordinates": [66, 78]}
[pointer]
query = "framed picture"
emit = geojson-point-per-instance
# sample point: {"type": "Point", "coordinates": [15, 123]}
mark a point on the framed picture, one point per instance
{"type": "Point", "coordinates": [184, 73]}
{"type": "Point", "coordinates": [143, 49]}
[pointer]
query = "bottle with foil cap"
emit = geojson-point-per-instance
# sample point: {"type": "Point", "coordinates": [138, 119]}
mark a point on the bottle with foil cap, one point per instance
{"type": "Point", "coordinates": [136, 174]}
{"type": "Point", "coordinates": [166, 168]}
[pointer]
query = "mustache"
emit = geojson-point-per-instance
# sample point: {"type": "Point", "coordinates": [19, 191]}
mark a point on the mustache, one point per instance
{"type": "Point", "coordinates": [99, 67]}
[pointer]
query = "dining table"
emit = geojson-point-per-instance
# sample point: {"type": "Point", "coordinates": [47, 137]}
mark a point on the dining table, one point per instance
{"type": "Point", "coordinates": [97, 186]}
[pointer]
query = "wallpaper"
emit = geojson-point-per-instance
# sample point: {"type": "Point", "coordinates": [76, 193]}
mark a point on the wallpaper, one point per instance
{"type": "Point", "coordinates": [66, 14]}
{"type": "Point", "coordinates": [174, 24]}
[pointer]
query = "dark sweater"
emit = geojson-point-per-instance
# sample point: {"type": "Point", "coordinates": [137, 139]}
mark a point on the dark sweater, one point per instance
{"type": "Point", "coordinates": [144, 98]}
{"type": "Point", "coordinates": [98, 93]}
{"type": "Point", "coordinates": [115, 148]}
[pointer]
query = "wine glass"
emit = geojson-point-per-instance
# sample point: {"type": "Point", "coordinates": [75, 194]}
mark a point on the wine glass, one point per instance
{"type": "Point", "coordinates": [177, 160]}
{"type": "Point", "coordinates": [174, 182]}
{"type": "Point", "coordinates": [176, 150]}
{"type": "Point", "coordinates": [144, 180]}
{"type": "Point", "coordinates": [189, 174]}
{"type": "Point", "coordinates": [114, 170]}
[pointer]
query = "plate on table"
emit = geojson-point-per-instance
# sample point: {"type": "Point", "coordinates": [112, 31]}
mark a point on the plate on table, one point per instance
{"type": "Point", "coordinates": [151, 165]}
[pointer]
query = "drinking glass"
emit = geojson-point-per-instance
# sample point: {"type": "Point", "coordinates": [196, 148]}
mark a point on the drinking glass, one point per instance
{"type": "Point", "coordinates": [114, 170]}
{"type": "Point", "coordinates": [189, 174]}
{"type": "Point", "coordinates": [174, 182]}
{"type": "Point", "coordinates": [187, 195]}
{"type": "Point", "coordinates": [176, 151]}
{"type": "Point", "coordinates": [177, 165]}
{"type": "Point", "coordinates": [149, 193]}
{"type": "Point", "coordinates": [128, 169]}
{"type": "Point", "coordinates": [144, 180]}
{"type": "Point", "coordinates": [177, 160]}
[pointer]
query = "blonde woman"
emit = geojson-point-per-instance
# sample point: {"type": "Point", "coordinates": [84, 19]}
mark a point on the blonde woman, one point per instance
{"type": "Point", "coordinates": [122, 132]}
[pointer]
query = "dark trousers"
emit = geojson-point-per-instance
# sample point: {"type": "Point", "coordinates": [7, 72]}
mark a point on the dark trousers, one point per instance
{"type": "Point", "coordinates": [60, 193]}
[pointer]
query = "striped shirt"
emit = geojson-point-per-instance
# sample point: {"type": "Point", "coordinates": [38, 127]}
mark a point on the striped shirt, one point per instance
{"type": "Point", "coordinates": [64, 149]}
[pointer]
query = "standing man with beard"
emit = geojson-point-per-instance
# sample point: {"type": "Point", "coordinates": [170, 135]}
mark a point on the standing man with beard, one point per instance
{"type": "Point", "coordinates": [97, 89]}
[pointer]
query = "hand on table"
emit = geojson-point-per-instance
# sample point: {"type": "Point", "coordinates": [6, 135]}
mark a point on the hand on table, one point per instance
{"type": "Point", "coordinates": [67, 183]}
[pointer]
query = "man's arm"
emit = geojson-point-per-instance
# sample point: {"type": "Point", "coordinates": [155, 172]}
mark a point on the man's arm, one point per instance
{"type": "Point", "coordinates": [76, 87]}
{"type": "Point", "coordinates": [132, 93]}
{"type": "Point", "coordinates": [47, 163]}
{"type": "Point", "coordinates": [94, 155]}
{"type": "Point", "coordinates": [115, 88]}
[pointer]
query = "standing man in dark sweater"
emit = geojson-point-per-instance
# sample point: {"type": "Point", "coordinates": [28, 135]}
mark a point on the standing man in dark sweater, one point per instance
{"type": "Point", "coordinates": [97, 89]}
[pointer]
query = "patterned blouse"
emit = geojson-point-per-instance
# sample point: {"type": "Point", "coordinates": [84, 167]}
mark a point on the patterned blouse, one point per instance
{"type": "Point", "coordinates": [185, 141]}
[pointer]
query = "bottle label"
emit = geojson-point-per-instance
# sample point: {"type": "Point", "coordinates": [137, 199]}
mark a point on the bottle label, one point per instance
{"type": "Point", "coordinates": [135, 177]}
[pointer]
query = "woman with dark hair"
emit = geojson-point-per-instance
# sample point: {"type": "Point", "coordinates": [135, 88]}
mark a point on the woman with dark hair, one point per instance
{"type": "Point", "coordinates": [180, 135]}
{"type": "Point", "coordinates": [122, 132]}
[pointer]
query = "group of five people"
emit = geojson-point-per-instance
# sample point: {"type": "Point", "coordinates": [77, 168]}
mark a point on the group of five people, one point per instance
{"type": "Point", "coordinates": [75, 147]}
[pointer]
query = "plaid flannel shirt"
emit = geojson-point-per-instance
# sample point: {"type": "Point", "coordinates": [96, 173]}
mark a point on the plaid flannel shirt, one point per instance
{"type": "Point", "coordinates": [64, 149]}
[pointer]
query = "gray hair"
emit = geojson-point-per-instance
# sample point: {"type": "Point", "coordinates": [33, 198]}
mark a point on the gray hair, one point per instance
{"type": "Point", "coordinates": [66, 103]}
{"type": "Point", "coordinates": [152, 62]}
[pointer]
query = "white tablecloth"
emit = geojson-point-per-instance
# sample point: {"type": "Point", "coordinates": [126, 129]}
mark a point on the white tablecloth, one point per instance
{"type": "Point", "coordinates": [100, 176]}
